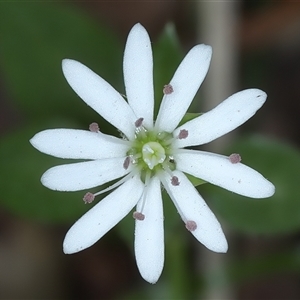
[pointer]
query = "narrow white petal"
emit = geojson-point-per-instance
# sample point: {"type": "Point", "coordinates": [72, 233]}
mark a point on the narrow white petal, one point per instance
{"type": "Point", "coordinates": [192, 207]}
{"type": "Point", "coordinates": [83, 175]}
{"type": "Point", "coordinates": [185, 82]}
{"type": "Point", "coordinates": [138, 74]}
{"type": "Point", "coordinates": [217, 169]}
{"type": "Point", "coordinates": [103, 216]}
{"type": "Point", "coordinates": [149, 233]}
{"type": "Point", "coordinates": [228, 115]}
{"type": "Point", "coordinates": [100, 95]}
{"type": "Point", "coordinates": [78, 144]}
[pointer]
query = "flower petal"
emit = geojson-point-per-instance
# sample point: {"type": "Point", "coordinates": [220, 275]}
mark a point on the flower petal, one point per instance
{"type": "Point", "coordinates": [228, 115]}
{"type": "Point", "coordinates": [100, 95]}
{"type": "Point", "coordinates": [217, 169]}
{"type": "Point", "coordinates": [192, 207]}
{"type": "Point", "coordinates": [78, 144]}
{"type": "Point", "coordinates": [149, 233]}
{"type": "Point", "coordinates": [84, 175]}
{"type": "Point", "coordinates": [185, 82]}
{"type": "Point", "coordinates": [103, 216]}
{"type": "Point", "coordinates": [138, 74]}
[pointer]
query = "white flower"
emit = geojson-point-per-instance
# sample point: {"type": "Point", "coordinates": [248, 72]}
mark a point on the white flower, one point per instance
{"type": "Point", "coordinates": [150, 154]}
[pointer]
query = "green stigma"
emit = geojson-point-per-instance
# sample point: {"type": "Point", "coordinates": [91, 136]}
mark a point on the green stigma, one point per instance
{"type": "Point", "coordinates": [153, 154]}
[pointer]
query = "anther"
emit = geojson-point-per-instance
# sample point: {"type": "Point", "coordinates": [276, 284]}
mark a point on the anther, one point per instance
{"type": "Point", "coordinates": [175, 181]}
{"type": "Point", "coordinates": [138, 122]}
{"type": "Point", "coordinates": [138, 216]}
{"type": "Point", "coordinates": [171, 160]}
{"type": "Point", "coordinates": [126, 162]}
{"type": "Point", "coordinates": [191, 225]}
{"type": "Point", "coordinates": [168, 89]}
{"type": "Point", "coordinates": [88, 198]}
{"type": "Point", "coordinates": [183, 134]}
{"type": "Point", "coordinates": [94, 127]}
{"type": "Point", "coordinates": [234, 158]}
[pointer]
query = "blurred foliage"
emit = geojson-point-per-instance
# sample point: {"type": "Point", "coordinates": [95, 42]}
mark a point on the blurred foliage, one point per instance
{"type": "Point", "coordinates": [188, 117]}
{"type": "Point", "coordinates": [255, 268]}
{"type": "Point", "coordinates": [33, 43]}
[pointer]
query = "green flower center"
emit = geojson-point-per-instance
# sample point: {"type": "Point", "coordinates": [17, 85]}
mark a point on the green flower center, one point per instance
{"type": "Point", "coordinates": [153, 154]}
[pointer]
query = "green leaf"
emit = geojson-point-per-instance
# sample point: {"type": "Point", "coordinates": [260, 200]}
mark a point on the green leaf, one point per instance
{"type": "Point", "coordinates": [188, 117]}
{"type": "Point", "coordinates": [21, 190]}
{"type": "Point", "coordinates": [167, 57]}
{"type": "Point", "coordinates": [194, 180]}
{"type": "Point", "coordinates": [255, 268]}
{"type": "Point", "coordinates": [35, 37]}
{"type": "Point", "coordinates": [280, 213]}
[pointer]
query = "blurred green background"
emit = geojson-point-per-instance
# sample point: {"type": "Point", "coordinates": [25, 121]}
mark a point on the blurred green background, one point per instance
{"type": "Point", "coordinates": [263, 261]}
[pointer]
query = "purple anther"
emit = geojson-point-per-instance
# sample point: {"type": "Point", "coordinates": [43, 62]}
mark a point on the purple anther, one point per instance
{"type": "Point", "coordinates": [138, 122]}
{"type": "Point", "coordinates": [183, 134]}
{"type": "Point", "coordinates": [191, 225]}
{"type": "Point", "coordinates": [234, 158]}
{"type": "Point", "coordinates": [94, 127]}
{"type": "Point", "coordinates": [88, 198]}
{"type": "Point", "coordinates": [175, 181]}
{"type": "Point", "coordinates": [126, 163]}
{"type": "Point", "coordinates": [138, 216]}
{"type": "Point", "coordinates": [168, 89]}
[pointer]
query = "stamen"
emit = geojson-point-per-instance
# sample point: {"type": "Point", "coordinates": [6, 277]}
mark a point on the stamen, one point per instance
{"type": "Point", "coordinates": [141, 203]}
{"type": "Point", "coordinates": [135, 158]}
{"type": "Point", "coordinates": [234, 158]}
{"type": "Point", "coordinates": [126, 162]}
{"type": "Point", "coordinates": [115, 185]}
{"type": "Point", "coordinates": [191, 225]}
{"type": "Point", "coordinates": [175, 181]}
{"type": "Point", "coordinates": [88, 198]}
{"type": "Point", "coordinates": [166, 167]}
{"type": "Point", "coordinates": [171, 160]}
{"type": "Point", "coordinates": [168, 89]}
{"type": "Point", "coordinates": [138, 216]}
{"type": "Point", "coordinates": [140, 131]}
{"type": "Point", "coordinates": [138, 122]}
{"type": "Point", "coordinates": [183, 134]}
{"type": "Point", "coordinates": [94, 127]}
